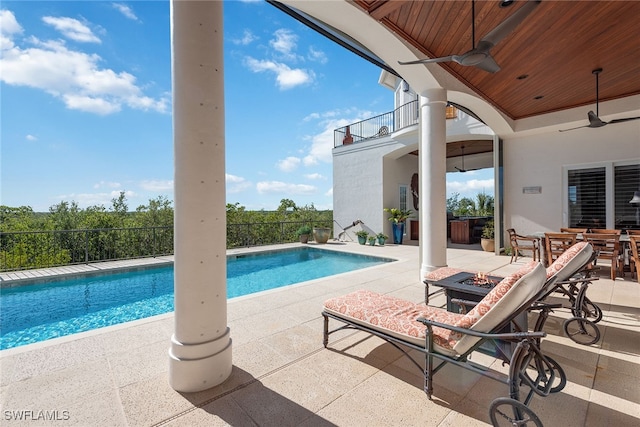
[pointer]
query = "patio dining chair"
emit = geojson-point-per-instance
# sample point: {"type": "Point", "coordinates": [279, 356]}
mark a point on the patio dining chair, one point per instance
{"type": "Point", "coordinates": [521, 243]}
{"type": "Point", "coordinates": [608, 247]}
{"type": "Point", "coordinates": [555, 244]}
{"type": "Point", "coordinates": [634, 241]}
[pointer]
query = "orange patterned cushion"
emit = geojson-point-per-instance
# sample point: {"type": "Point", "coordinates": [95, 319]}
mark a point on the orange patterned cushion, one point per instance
{"type": "Point", "coordinates": [397, 317]}
{"type": "Point", "coordinates": [441, 273]}
{"type": "Point", "coordinates": [567, 264]}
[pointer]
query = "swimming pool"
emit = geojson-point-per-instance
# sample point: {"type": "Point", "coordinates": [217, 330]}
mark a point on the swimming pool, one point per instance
{"type": "Point", "coordinates": [40, 312]}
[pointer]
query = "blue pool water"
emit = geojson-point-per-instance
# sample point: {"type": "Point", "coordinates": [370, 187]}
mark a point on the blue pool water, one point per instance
{"type": "Point", "coordinates": [40, 312]}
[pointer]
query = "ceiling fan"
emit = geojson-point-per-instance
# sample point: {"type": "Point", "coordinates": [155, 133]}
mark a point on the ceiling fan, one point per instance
{"type": "Point", "coordinates": [594, 119]}
{"type": "Point", "coordinates": [462, 169]}
{"type": "Point", "coordinates": [480, 55]}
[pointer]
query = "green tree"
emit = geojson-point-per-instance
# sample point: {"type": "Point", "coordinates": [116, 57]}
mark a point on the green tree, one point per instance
{"type": "Point", "coordinates": [65, 216]}
{"type": "Point", "coordinates": [485, 204]}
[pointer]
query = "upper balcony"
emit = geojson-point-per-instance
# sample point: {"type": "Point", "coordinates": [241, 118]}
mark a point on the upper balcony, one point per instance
{"type": "Point", "coordinates": [378, 126]}
{"type": "Point", "coordinates": [382, 125]}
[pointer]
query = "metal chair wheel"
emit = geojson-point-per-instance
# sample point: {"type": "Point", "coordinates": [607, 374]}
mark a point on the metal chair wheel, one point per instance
{"type": "Point", "coordinates": [505, 411]}
{"type": "Point", "coordinates": [581, 331]}
{"type": "Point", "coordinates": [583, 307]}
{"type": "Point", "coordinates": [542, 370]}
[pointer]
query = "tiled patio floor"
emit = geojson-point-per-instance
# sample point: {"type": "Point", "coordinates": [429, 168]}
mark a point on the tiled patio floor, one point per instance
{"type": "Point", "coordinates": [282, 375]}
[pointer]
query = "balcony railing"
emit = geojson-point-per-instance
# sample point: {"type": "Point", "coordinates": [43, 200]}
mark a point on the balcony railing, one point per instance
{"type": "Point", "coordinates": [378, 126]}
{"type": "Point", "coordinates": [40, 249]}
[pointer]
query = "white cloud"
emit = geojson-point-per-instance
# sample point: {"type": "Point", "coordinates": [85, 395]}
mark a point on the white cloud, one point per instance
{"type": "Point", "coordinates": [72, 76]}
{"type": "Point", "coordinates": [72, 29]}
{"type": "Point", "coordinates": [284, 42]}
{"type": "Point", "coordinates": [289, 164]}
{"type": "Point", "coordinates": [247, 38]}
{"type": "Point", "coordinates": [31, 138]}
{"type": "Point", "coordinates": [157, 185]}
{"type": "Point", "coordinates": [315, 176]}
{"type": "Point", "coordinates": [103, 184]}
{"type": "Point", "coordinates": [317, 55]}
{"type": "Point", "coordinates": [329, 192]}
{"type": "Point", "coordinates": [470, 186]}
{"type": "Point", "coordinates": [286, 77]}
{"type": "Point", "coordinates": [8, 23]}
{"type": "Point", "coordinates": [236, 184]}
{"type": "Point", "coordinates": [284, 188]}
{"type": "Point", "coordinates": [125, 10]}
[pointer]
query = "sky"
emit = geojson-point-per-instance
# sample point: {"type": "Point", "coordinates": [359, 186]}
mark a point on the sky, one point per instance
{"type": "Point", "coordinates": [86, 113]}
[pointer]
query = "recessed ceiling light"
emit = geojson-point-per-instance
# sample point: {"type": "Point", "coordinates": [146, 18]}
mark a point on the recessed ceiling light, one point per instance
{"type": "Point", "coordinates": [506, 3]}
{"type": "Point", "coordinates": [538, 97]}
{"type": "Point", "coordinates": [522, 76]}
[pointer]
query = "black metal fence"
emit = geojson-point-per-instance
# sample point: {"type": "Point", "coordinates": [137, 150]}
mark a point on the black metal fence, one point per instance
{"type": "Point", "coordinates": [23, 250]}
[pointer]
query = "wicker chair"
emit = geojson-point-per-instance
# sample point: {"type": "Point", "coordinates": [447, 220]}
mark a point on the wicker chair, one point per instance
{"type": "Point", "coordinates": [523, 243]}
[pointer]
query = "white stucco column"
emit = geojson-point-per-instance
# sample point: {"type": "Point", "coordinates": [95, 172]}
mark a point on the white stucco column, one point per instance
{"type": "Point", "coordinates": [200, 353]}
{"type": "Point", "coordinates": [433, 188]}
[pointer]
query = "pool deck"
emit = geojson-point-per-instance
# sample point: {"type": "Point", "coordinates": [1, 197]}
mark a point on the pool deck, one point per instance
{"type": "Point", "coordinates": [282, 375]}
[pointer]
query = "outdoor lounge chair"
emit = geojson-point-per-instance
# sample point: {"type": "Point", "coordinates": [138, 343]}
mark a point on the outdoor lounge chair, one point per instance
{"type": "Point", "coordinates": [452, 337]}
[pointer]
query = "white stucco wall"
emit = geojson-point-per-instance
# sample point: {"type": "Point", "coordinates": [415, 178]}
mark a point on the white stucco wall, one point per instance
{"type": "Point", "coordinates": [540, 160]}
{"type": "Point", "coordinates": [359, 188]}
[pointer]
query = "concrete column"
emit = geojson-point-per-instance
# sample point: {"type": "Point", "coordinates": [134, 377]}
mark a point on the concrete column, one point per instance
{"type": "Point", "coordinates": [200, 353]}
{"type": "Point", "coordinates": [433, 189]}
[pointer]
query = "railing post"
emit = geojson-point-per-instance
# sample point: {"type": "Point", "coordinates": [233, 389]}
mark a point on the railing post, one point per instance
{"type": "Point", "coordinates": [153, 249]}
{"type": "Point", "coordinates": [86, 246]}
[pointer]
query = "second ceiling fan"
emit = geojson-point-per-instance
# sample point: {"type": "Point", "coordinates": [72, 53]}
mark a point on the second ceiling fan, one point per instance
{"type": "Point", "coordinates": [594, 118]}
{"type": "Point", "coordinates": [480, 55]}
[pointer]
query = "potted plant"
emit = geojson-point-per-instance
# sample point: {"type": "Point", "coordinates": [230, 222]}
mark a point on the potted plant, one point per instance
{"type": "Point", "coordinates": [303, 233]}
{"type": "Point", "coordinates": [362, 236]}
{"type": "Point", "coordinates": [372, 240]}
{"type": "Point", "coordinates": [398, 217]}
{"type": "Point", "coordinates": [382, 238]}
{"type": "Point", "coordinates": [487, 240]}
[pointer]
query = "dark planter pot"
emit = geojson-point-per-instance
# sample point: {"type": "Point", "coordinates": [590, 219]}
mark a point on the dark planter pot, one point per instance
{"type": "Point", "coordinates": [381, 241]}
{"type": "Point", "coordinates": [398, 232]}
{"type": "Point", "coordinates": [304, 238]}
{"type": "Point", "coordinates": [362, 240]}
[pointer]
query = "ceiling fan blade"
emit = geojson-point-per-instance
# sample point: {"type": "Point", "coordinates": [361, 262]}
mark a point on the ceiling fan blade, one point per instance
{"type": "Point", "coordinates": [461, 170]}
{"type": "Point", "coordinates": [428, 60]}
{"type": "Point", "coordinates": [579, 127]}
{"type": "Point", "coordinates": [489, 64]}
{"type": "Point", "coordinates": [626, 119]}
{"type": "Point", "coordinates": [508, 25]}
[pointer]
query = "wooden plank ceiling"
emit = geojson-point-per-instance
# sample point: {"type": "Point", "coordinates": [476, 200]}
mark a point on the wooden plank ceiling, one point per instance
{"type": "Point", "coordinates": [546, 62]}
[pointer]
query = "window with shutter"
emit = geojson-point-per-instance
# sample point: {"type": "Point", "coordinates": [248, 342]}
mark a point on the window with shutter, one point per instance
{"type": "Point", "coordinates": [600, 197]}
